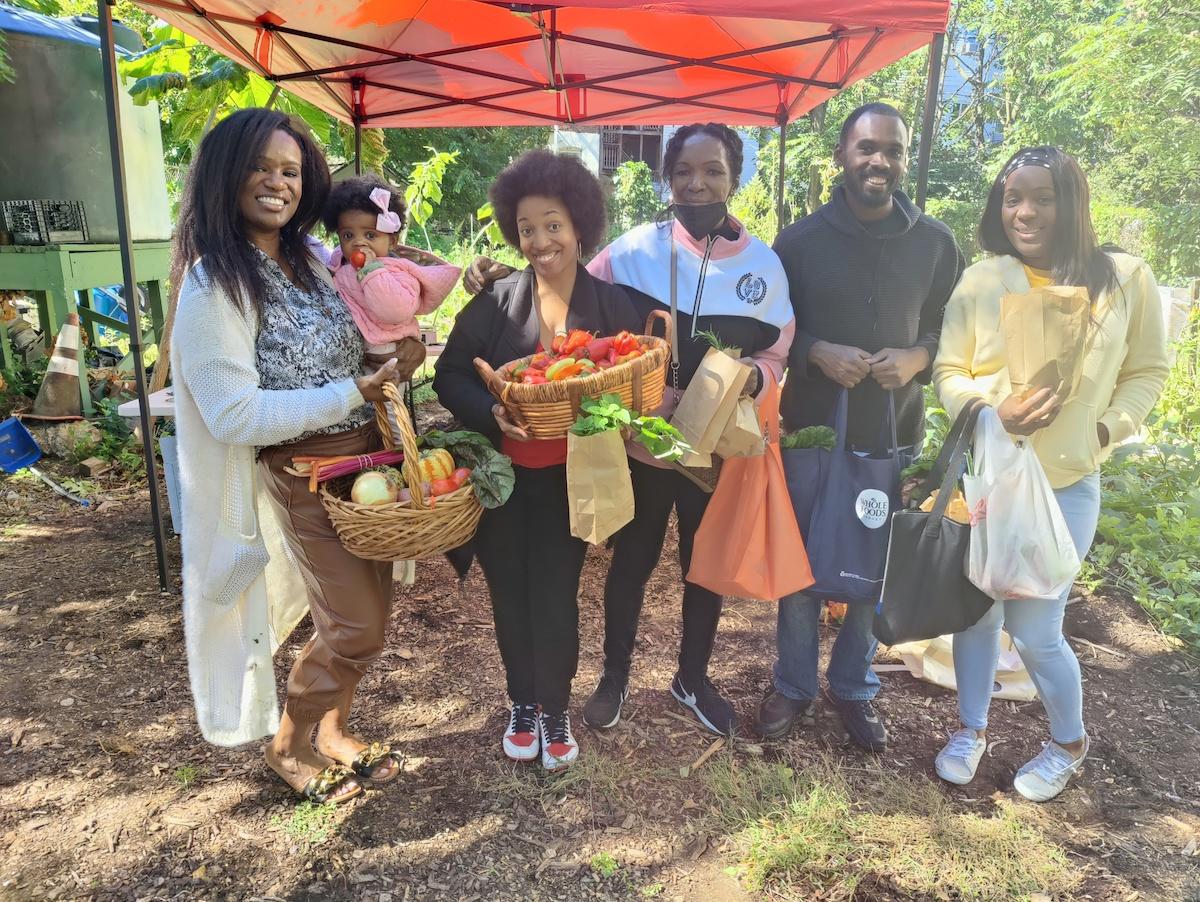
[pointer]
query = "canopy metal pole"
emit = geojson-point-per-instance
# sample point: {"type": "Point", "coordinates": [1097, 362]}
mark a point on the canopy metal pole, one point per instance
{"type": "Point", "coordinates": [356, 104]}
{"type": "Point", "coordinates": [117, 150]}
{"type": "Point", "coordinates": [779, 223]}
{"type": "Point", "coordinates": [933, 83]}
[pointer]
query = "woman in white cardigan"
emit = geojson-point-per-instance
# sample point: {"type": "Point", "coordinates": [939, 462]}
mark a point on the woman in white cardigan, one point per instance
{"type": "Point", "coordinates": [266, 361]}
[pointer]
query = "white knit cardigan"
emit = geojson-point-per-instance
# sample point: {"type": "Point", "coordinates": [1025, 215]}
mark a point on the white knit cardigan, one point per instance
{"type": "Point", "coordinates": [242, 591]}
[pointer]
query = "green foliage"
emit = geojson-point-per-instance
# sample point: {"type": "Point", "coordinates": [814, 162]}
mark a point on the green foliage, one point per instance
{"type": "Point", "coordinates": [186, 775]}
{"type": "Point", "coordinates": [962, 217]}
{"type": "Point", "coordinates": [754, 206]}
{"type": "Point", "coordinates": [634, 199]}
{"type": "Point", "coordinates": [604, 865]}
{"type": "Point", "coordinates": [1148, 539]}
{"type": "Point", "coordinates": [310, 823]}
{"type": "Point", "coordinates": [424, 191]}
{"type": "Point", "coordinates": [810, 437]}
{"type": "Point", "coordinates": [655, 434]}
{"type": "Point", "coordinates": [482, 153]}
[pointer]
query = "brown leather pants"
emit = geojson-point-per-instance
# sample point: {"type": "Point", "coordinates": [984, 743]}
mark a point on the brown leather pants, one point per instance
{"type": "Point", "coordinates": [349, 598]}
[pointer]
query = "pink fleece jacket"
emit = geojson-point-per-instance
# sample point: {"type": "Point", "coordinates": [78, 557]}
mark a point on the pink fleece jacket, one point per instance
{"type": "Point", "coordinates": [391, 294]}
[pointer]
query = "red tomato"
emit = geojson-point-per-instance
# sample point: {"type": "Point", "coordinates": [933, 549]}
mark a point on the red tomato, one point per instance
{"type": "Point", "coordinates": [358, 259]}
{"type": "Point", "coordinates": [461, 475]}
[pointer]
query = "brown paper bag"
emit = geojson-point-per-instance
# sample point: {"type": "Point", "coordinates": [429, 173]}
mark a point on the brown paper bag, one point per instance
{"type": "Point", "coordinates": [1045, 331]}
{"type": "Point", "coordinates": [599, 487]}
{"type": "Point", "coordinates": [708, 402]}
{"type": "Point", "coordinates": [742, 436]}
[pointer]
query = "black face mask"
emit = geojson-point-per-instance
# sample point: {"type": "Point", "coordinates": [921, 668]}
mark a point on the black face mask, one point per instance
{"type": "Point", "coordinates": [700, 220]}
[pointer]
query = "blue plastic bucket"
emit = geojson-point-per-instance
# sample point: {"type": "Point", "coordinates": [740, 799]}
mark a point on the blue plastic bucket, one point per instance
{"type": "Point", "coordinates": [17, 447]}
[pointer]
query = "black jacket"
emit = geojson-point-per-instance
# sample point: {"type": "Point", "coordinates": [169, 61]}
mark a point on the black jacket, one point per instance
{"type": "Point", "coordinates": [871, 291]}
{"type": "Point", "coordinates": [500, 324]}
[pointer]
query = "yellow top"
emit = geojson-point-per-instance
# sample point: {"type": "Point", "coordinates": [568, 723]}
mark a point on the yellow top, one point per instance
{"type": "Point", "coordinates": [1124, 366]}
{"type": "Point", "coordinates": [1038, 278]}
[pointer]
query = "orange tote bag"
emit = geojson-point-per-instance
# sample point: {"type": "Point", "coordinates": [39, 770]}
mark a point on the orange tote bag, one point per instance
{"type": "Point", "coordinates": [748, 543]}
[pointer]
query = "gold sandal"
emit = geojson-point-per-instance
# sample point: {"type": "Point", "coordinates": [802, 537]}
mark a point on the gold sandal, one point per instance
{"type": "Point", "coordinates": [374, 758]}
{"type": "Point", "coordinates": [323, 787]}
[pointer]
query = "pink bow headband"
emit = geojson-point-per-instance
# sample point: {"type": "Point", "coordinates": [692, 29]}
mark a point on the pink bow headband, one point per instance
{"type": "Point", "coordinates": [387, 221]}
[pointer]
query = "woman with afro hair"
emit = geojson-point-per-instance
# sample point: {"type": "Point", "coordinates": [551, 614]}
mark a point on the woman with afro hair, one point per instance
{"type": "Point", "coordinates": [722, 280]}
{"type": "Point", "coordinates": [551, 209]}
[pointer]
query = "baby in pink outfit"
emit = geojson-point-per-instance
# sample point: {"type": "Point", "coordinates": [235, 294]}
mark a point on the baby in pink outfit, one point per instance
{"type": "Point", "coordinates": [385, 284]}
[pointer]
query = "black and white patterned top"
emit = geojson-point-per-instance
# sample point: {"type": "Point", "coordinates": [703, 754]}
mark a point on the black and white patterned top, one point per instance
{"type": "Point", "coordinates": [307, 339]}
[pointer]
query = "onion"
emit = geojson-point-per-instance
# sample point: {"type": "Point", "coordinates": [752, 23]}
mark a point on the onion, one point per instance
{"type": "Point", "coordinates": [373, 487]}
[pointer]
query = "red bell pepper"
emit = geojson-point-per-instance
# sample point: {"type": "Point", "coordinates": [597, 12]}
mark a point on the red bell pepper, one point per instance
{"type": "Point", "coordinates": [598, 348]}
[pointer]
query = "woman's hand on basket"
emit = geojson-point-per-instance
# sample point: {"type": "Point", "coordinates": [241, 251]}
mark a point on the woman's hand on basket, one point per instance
{"type": "Point", "coordinates": [371, 387]}
{"type": "Point", "coordinates": [507, 426]}
{"type": "Point", "coordinates": [482, 272]}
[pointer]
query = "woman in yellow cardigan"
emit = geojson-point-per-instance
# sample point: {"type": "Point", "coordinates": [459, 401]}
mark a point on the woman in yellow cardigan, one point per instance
{"type": "Point", "coordinates": [1037, 228]}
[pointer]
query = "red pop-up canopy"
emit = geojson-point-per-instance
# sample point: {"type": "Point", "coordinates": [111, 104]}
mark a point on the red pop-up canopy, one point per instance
{"type": "Point", "coordinates": [387, 63]}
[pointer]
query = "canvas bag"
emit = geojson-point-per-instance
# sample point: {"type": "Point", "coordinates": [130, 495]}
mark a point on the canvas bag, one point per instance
{"type": "Point", "coordinates": [926, 592]}
{"type": "Point", "coordinates": [599, 487]}
{"type": "Point", "coordinates": [1020, 544]}
{"type": "Point", "coordinates": [847, 533]}
{"type": "Point", "coordinates": [748, 543]}
{"type": "Point", "coordinates": [1045, 331]}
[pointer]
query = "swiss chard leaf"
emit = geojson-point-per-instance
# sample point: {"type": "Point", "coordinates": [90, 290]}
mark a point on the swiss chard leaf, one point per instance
{"type": "Point", "coordinates": [492, 480]}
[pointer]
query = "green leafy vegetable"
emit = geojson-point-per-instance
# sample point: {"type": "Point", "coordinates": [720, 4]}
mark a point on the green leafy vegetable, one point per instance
{"type": "Point", "coordinates": [810, 437]}
{"type": "Point", "coordinates": [492, 476]}
{"type": "Point", "coordinates": [658, 436]}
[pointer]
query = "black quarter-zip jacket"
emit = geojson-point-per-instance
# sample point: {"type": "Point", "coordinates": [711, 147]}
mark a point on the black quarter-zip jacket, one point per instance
{"type": "Point", "coordinates": [870, 288]}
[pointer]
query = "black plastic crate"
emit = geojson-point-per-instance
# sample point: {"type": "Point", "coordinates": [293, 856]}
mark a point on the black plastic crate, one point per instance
{"type": "Point", "coordinates": [20, 218]}
{"type": "Point", "coordinates": [45, 221]}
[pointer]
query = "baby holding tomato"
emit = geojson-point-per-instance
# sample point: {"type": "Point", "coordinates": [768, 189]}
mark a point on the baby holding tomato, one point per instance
{"type": "Point", "coordinates": [385, 284]}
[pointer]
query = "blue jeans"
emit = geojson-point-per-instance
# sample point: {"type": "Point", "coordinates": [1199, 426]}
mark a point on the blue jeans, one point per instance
{"type": "Point", "coordinates": [1036, 629]}
{"type": "Point", "coordinates": [799, 641]}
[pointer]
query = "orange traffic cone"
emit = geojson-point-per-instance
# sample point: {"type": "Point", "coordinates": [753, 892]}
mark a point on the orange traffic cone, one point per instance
{"type": "Point", "coordinates": [59, 397]}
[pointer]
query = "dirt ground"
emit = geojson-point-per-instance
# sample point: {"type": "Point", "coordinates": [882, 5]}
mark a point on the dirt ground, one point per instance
{"type": "Point", "coordinates": [107, 790]}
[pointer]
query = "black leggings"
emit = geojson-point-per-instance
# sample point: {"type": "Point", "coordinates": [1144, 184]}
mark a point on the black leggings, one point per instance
{"type": "Point", "coordinates": [532, 565]}
{"type": "Point", "coordinates": [636, 550]}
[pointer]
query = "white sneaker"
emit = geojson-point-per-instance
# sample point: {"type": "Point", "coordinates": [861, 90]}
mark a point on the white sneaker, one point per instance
{"type": "Point", "coordinates": [1046, 775]}
{"type": "Point", "coordinates": [957, 762]}
{"type": "Point", "coordinates": [559, 747]}
{"type": "Point", "coordinates": [521, 737]}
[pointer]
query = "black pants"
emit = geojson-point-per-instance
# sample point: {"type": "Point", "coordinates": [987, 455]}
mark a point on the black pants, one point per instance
{"type": "Point", "coordinates": [532, 565]}
{"type": "Point", "coordinates": [636, 550]}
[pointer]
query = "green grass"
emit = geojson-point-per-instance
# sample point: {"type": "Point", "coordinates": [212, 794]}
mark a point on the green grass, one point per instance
{"type": "Point", "coordinates": [186, 775]}
{"type": "Point", "coordinates": [825, 831]}
{"type": "Point", "coordinates": [604, 864]}
{"type": "Point", "coordinates": [309, 823]}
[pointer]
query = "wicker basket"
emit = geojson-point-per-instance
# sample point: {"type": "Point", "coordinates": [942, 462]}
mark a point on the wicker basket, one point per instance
{"type": "Point", "coordinates": [401, 532]}
{"type": "Point", "coordinates": [550, 410]}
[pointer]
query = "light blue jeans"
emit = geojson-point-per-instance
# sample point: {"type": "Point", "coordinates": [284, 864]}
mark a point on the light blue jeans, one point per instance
{"type": "Point", "coordinates": [1036, 629]}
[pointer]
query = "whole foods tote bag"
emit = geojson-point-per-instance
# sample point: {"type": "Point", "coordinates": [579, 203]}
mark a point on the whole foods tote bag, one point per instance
{"type": "Point", "coordinates": [748, 543]}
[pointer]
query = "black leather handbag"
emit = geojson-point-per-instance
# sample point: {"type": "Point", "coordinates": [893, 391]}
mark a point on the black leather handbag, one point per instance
{"type": "Point", "coordinates": [926, 592]}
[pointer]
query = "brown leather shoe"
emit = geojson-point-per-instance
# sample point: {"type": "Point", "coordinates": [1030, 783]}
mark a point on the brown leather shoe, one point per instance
{"type": "Point", "coordinates": [777, 713]}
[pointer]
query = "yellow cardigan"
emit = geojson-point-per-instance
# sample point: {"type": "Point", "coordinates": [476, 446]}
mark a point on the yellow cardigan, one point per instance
{"type": "Point", "coordinates": [1123, 371]}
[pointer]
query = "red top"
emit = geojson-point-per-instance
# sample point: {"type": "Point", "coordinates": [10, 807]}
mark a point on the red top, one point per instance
{"type": "Point", "coordinates": [537, 453]}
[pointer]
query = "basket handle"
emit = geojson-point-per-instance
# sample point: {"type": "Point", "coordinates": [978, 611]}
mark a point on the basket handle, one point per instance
{"type": "Point", "coordinates": [410, 467]}
{"type": "Point", "coordinates": [666, 320]}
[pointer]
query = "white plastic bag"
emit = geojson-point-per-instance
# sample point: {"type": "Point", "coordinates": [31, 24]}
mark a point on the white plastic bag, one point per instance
{"type": "Point", "coordinates": [1020, 544]}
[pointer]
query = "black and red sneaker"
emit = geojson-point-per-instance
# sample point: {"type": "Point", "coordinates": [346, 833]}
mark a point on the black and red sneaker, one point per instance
{"type": "Point", "coordinates": [521, 737]}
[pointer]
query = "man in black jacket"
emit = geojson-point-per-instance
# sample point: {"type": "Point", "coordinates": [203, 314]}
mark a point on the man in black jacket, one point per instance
{"type": "Point", "coordinates": [870, 275]}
